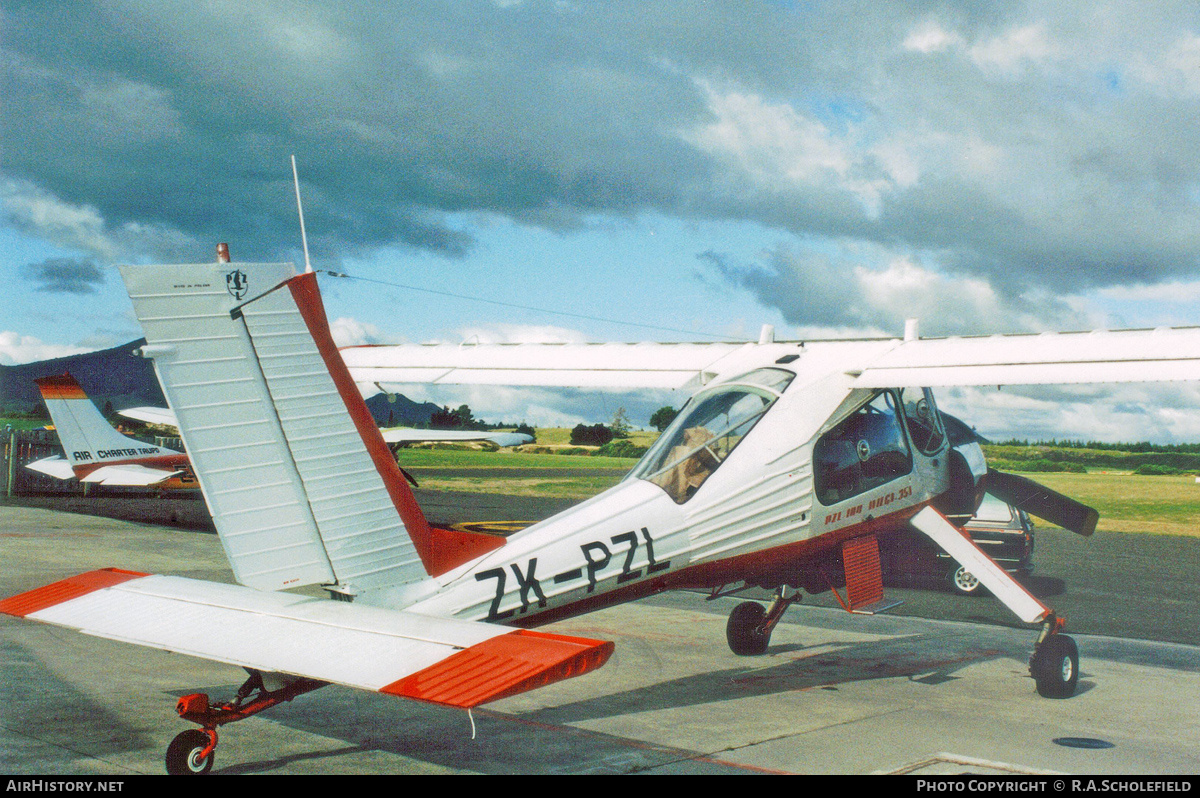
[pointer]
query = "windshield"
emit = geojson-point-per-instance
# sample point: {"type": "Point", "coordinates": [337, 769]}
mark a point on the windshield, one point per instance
{"type": "Point", "coordinates": [707, 429]}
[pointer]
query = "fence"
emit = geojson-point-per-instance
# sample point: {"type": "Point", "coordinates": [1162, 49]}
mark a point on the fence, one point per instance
{"type": "Point", "coordinates": [21, 447]}
{"type": "Point", "coordinates": [18, 448]}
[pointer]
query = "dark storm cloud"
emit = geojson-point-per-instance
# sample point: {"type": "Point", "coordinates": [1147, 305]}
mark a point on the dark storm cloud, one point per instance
{"type": "Point", "coordinates": [1041, 147]}
{"type": "Point", "coordinates": [65, 276]}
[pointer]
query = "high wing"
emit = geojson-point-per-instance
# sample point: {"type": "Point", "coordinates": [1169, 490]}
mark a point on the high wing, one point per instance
{"type": "Point", "coordinates": [1160, 355]}
{"type": "Point", "coordinates": [441, 660]}
{"type": "Point", "coordinates": [1164, 354]}
{"type": "Point", "coordinates": [151, 415]}
{"type": "Point", "coordinates": [643, 365]}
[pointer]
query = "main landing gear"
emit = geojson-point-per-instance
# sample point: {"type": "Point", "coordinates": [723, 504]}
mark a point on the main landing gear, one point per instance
{"type": "Point", "coordinates": [1054, 665]}
{"type": "Point", "coordinates": [192, 752]}
{"type": "Point", "coordinates": [750, 624]}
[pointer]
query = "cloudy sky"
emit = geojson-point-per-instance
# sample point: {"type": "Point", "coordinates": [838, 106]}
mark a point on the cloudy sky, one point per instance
{"type": "Point", "coordinates": [697, 168]}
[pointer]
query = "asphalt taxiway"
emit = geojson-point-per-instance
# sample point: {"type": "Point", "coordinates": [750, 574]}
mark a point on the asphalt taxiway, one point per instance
{"type": "Point", "coordinates": [834, 694]}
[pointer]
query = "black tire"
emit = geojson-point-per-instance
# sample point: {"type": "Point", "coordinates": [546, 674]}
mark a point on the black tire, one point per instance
{"type": "Point", "coordinates": [1055, 667]}
{"type": "Point", "coordinates": [742, 632]}
{"type": "Point", "coordinates": [964, 583]}
{"type": "Point", "coordinates": [183, 754]}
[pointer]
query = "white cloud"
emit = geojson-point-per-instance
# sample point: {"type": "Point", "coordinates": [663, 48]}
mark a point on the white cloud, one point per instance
{"type": "Point", "coordinates": [16, 348]}
{"type": "Point", "coordinates": [126, 111]}
{"type": "Point", "coordinates": [1160, 413]}
{"type": "Point", "coordinates": [40, 213]}
{"type": "Point", "coordinates": [46, 216]}
{"type": "Point", "coordinates": [1016, 49]}
{"type": "Point", "coordinates": [777, 147]}
{"type": "Point", "coordinates": [1170, 69]}
{"type": "Point", "coordinates": [871, 290]}
{"type": "Point", "coordinates": [931, 38]}
{"type": "Point", "coordinates": [1177, 292]}
{"type": "Point", "coordinates": [347, 331]}
{"type": "Point", "coordinates": [519, 334]}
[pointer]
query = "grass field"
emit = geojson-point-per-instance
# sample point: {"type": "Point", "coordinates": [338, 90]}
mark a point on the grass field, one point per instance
{"type": "Point", "coordinates": [560, 478]}
{"type": "Point", "coordinates": [1166, 505]}
{"type": "Point", "coordinates": [23, 422]}
{"type": "Point", "coordinates": [507, 459]}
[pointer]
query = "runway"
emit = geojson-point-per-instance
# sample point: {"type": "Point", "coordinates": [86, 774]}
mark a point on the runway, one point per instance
{"type": "Point", "coordinates": [835, 693]}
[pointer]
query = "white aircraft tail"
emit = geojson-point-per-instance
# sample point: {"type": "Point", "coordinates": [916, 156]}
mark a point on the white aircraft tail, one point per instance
{"type": "Point", "coordinates": [88, 440]}
{"type": "Point", "coordinates": [301, 486]}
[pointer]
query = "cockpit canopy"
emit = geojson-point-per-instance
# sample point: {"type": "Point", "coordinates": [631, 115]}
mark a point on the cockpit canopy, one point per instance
{"type": "Point", "coordinates": [707, 429]}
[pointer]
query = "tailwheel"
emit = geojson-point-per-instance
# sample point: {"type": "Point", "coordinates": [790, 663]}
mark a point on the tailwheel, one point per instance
{"type": "Point", "coordinates": [186, 754]}
{"type": "Point", "coordinates": [192, 751]}
{"type": "Point", "coordinates": [744, 630]}
{"type": "Point", "coordinates": [1055, 667]}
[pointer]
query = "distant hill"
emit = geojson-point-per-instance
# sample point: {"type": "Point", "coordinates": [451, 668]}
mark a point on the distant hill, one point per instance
{"type": "Point", "coordinates": [111, 375]}
{"type": "Point", "coordinates": [116, 375]}
{"type": "Point", "coordinates": [403, 412]}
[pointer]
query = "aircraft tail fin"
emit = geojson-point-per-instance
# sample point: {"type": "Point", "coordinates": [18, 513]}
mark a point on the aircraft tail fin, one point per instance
{"type": "Point", "coordinates": [300, 484]}
{"type": "Point", "coordinates": [87, 438]}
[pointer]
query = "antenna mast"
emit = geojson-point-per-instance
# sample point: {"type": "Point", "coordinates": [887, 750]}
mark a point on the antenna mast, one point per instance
{"type": "Point", "coordinates": [300, 208]}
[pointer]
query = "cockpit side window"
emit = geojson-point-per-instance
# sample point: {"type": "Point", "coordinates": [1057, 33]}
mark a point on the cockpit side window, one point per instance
{"type": "Point", "coordinates": [864, 451]}
{"type": "Point", "coordinates": [924, 422]}
{"type": "Point", "coordinates": [707, 430]}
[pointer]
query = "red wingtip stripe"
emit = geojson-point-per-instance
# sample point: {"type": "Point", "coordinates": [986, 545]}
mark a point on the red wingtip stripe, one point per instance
{"type": "Point", "coordinates": [503, 666]}
{"type": "Point", "coordinates": [61, 386]}
{"type": "Point", "coordinates": [70, 588]}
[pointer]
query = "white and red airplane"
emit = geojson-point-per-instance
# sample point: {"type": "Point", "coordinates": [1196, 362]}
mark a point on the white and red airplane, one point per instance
{"type": "Point", "coordinates": [781, 472]}
{"type": "Point", "coordinates": [97, 453]}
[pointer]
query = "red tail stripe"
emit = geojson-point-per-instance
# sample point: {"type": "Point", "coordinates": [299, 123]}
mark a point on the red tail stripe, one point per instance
{"type": "Point", "coordinates": [62, 386]}
{"type": "Point", "coordinates": [440, 551]}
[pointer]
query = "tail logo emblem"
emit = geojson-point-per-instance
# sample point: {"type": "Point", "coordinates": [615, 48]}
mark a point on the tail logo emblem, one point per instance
{"type": "Point", "coordinates": [237, 283]}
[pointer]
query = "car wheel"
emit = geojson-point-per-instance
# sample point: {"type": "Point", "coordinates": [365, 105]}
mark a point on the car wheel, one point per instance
{"type": "Point", "coordinates": [742, 631]}
{"type": "Point", "coordinates": [964, 583]}
{"type": "Point", "coordinates": [1055, 667]}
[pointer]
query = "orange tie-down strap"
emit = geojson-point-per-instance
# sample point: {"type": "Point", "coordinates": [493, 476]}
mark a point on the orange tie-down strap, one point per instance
{"type": "Point", "coordinates": [503, 666]}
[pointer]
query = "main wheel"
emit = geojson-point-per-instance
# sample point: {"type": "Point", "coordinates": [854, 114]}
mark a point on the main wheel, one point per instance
{"type": "Point", "coordinates": [183, 754]}
{"type": "Point", "coordinates": [742, 630]}
{"type": "Point", "coordinates": [964, 583]}
{"type": "Point", "coordinates": [1055, 667]}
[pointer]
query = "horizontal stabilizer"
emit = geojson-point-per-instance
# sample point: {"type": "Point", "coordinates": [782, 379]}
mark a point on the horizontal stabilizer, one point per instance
{"type": "Point", "coordinates": [441, 660]}
{"type": "Point", "coordinates": [129, 474]}
{"type": "Point", "coordinates": [54, 466]}
{"type": "Point", "coordinates": [959, 545]}
{"type": "Point", "coordinates": [1037, 499]}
